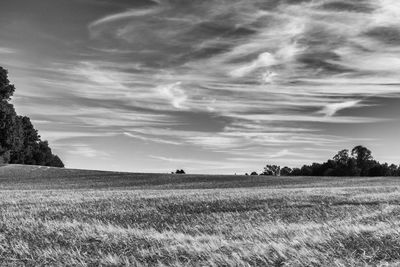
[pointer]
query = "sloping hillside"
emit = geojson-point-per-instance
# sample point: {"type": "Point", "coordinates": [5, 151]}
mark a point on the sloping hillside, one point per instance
{"type": "Point", "coordinates": [123, 219]}
{"type": "Point", "coordinates": [39, 177]}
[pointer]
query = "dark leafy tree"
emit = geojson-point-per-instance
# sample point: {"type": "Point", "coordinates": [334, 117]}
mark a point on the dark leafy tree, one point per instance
{"type": "Point", "coordinates": [359, 163]}
{"type": "Point", "coordinates": [344, 165]}
{"type": "Point", "coordinates": [377, 169]}
{"type": "Point", "coordinates": [317, 169]}
{"type": "Point", "coordinates": [19, 140]}
{"type": "Point", "coordinates": [352, 168]}
{"type": "Point", "coordinates": [180, 171]}
{"type": "Point", "coordinates": [254, 173]}
{"type": "Point", "coordinates": [286, 171]}
{"type": "Point", "coordinates": [6, 89]}
{"type": "Point", "coordinates": [363, 158]}
{"type": "Point", "coordinates": [56, 162]}
{"type": "Point", "coordinates": [362, 154]}
{"type": "Point", "coordinates": [272, 170]}
{"type": "Point", "coordinates": [296, 172]}
{"type": "Point", "coordinates": [306, 170]}
{"type": "Point", "coordinates": [393, 170]}
{"type": "Point", "coordinates": [342, 157]}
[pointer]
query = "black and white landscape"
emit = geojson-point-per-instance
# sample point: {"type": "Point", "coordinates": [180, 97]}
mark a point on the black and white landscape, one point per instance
{"type": "Point", "coordinates": [199, 132]}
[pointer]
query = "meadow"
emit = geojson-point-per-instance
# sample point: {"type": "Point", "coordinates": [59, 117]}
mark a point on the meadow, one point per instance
{"type": "Point", "coordinates": [58, 217]}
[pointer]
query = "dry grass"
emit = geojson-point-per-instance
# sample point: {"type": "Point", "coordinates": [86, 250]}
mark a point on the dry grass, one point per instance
{"type": "Point", "coordinates": [54, 218]}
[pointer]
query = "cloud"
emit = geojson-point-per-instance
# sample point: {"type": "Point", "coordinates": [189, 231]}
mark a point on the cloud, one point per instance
{"type": "Point", "coordinates": [84, 150]}
{"type": "Point", "coordinates": [214, 141]}
{"type": "Point", "coordinates": [6, 50]}
{"type": "Point", "coordinates": [55, 136]}
{"type": "Point", "coordinates": [186, 161]}
{"type": "Point", "coordinates": [386, 13]}
{"type": "Point", "coordinates": [264, 60]}
{"type": "Point", "coordinates": [150, 138]}
{"type": "Point", "coordinates": [385, 34]}
{"type": "Point", "coordinates": [348, 6]}
{"type": "Point", "coordinates": [174, 93]}
{"type": "Point", "coordinates": [129, 14]}
{"type": "Point", "coordinates": [306, 118]}
{"type": "Point", "coordinates": [331, 109]}
{"type": "Point", "coordinates": [98, 76]}
{"type": "Point", "coordinates": [250, 75]}
{"type": "Point", "coordinates": [285, 153]}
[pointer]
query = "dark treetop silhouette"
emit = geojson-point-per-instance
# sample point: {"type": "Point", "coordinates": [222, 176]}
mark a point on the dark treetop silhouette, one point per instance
{"type": "Point", "coordinates": [20, 142]}
{"type": "Point", "coordinates": [359, 163]}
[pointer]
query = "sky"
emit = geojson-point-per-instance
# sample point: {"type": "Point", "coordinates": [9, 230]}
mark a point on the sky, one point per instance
{"type": "Point", "coordinates": [208, 86]}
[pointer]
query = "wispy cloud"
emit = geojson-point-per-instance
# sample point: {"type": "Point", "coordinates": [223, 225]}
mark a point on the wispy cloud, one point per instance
{"type": "Point", "coordinates": [129, 14]}
{"type": "Point", "coordinates": [86, 151]}
{"type": "Point", "coordinates": [332, 109]}
{"type": "Point", "coordinates": [5, 50]}
{"type": "Point", "coordinates": [151, 138]}
{"type": "Point", "coordinates": [186, 160]}
{"type": "Point", "coordinates": [174, 93]}
{"type": "Point", "coordinates": [252, 75]}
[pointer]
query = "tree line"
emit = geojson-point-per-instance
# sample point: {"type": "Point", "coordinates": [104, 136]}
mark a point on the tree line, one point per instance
{"type": "Point", "coordinates": [357, 162]}
{"type": "Point", "coordinates": [20, 142]}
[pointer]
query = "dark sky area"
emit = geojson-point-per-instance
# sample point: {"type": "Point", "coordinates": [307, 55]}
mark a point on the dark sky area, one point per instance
{"type": "Point", "coordinates": [209, 86]}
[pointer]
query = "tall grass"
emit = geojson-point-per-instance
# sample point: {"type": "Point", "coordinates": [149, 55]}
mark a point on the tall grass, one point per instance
{"type": "Point", "coordinates": [343, 225]}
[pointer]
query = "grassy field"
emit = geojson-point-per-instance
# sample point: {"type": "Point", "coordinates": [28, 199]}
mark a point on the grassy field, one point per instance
{"type": "Point", "coordinates": [88, 218]}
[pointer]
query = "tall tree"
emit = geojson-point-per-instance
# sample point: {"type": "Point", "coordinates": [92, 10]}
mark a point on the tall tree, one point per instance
{"type": "Point", "coordinates": [19, 140]}
{"type": "Point", "coordinates": [6, 89]}
{"type": "Point", "coordinates": [363, 158]}
{"type": "Point", "coordinates": [285, 171]}
{"type": "Point", "coordinates": [342, 157]}
{"type": "Point", "coordinates": [272, 170]}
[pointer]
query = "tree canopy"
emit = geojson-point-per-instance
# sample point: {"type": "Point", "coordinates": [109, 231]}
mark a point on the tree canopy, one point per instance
{"type": "Point", "coordinates": [20, 142]}
{"type": "Point", "coordinates": [359, 163]}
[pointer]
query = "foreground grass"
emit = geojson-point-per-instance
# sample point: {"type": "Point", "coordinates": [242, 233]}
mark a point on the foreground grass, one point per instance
{"type": "Point", "coordinates": [297, 222]}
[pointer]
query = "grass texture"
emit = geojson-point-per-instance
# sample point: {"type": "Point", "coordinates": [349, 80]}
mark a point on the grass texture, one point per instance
{"type": "Point", "coordinates": [56, 217]}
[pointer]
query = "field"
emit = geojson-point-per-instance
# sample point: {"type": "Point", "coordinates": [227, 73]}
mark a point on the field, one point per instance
{"type": "Point", "coordinates": [54, 216]}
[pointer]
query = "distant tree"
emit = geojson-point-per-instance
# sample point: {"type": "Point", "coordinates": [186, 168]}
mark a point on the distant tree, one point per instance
{"type": "Point", "coordinates": [306, 170]}
{"type": "Point", "coordinates": [377, 169]}
{"type": "Point", "coordinates": [286, 171]}
{"type": "Point", "coordinates": [295, 172]}
{"type": "Point", "coordinates": [316, 169]}
{"type": "Point", "coordinates": [363, 158]}
{"type": "Point", "coordinates": [361, 154]}
{"type": "Point", "coordinates": [180, 171]}
{"type": "Point", "coordinates": [254, 173]}
{"type": "Point", "coordinates": [330, 172]}
{"type": "Point", "coordinates": [328, 168]}
{"type": "Point", "coordinates": [272, 170]}
{"type": "Point", "coordinates": [393, 170]}
{"type": "Point", "coordinates": [342, 157]}
{"type": "Point", "coordinates": [360, 163]}
{"type": "Point", "coordinates": [343, 165]}
{"type": "Point", "coordinates": [352, 168]}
